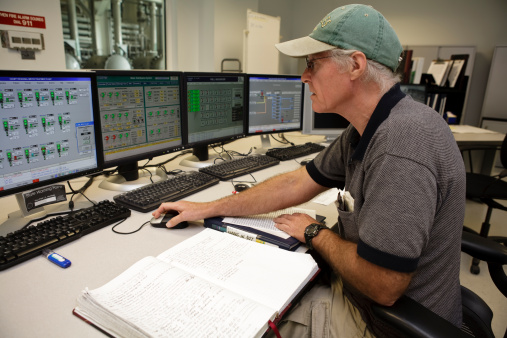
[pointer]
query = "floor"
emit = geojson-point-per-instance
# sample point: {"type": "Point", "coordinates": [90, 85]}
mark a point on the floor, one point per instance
{"type": "Point", "coordinates": [481, 284]}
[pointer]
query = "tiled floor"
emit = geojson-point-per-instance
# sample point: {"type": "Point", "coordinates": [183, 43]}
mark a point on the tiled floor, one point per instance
{"type": "Point", "coordinates": [481, 284]}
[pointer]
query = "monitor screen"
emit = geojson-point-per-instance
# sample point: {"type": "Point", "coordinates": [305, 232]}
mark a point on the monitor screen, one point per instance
{"type": "Point", "coordinates": [330, 125]}
{"type": "Point", "coordinates": [275, 103]}
{"type": "Point", "coordinates": [140, 116]}
{"type": "Point", "coordinates": [49, 128]}
{"type": "Point", "coordinates": [215, 109]}
{"type": "Point", "coordinates": [416, 91]}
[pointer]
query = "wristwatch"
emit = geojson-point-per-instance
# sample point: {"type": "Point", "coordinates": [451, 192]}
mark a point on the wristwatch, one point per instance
{"type": "Point", "coordinates": [311, 231]}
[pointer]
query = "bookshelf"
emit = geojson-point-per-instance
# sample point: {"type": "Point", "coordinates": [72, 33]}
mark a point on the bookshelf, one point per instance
{"type": "Point", "coordinates": [456, 98]}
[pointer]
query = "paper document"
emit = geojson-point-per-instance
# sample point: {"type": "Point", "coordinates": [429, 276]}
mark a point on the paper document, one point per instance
{"type": "Point", "coordinates": [464, 129]}
{"type": "Point", "coordinates": [327, 197]}
{"type": "Point", "coordinates": [265, 221]}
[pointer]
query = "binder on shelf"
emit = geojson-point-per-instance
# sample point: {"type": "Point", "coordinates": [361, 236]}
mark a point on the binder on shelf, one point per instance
{"type": "Point", "coordinates": [417, 69]}
{"type": "Point", "coordinates": [254, 234]}
{"type": "Point", "coordinates": [440, 71]}
{"type": "Point", "coordinates": [457, 72]}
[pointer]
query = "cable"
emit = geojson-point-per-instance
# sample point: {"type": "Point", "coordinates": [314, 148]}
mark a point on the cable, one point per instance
{"type": "Point", "coordinates": [127, 233]}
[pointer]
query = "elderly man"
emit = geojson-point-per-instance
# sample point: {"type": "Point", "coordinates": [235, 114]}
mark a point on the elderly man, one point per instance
{"type": "Point", "coordinates": [401, 215]}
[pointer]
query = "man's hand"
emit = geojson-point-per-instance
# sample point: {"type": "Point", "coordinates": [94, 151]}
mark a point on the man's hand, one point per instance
{"type": "Point", "coordinates": [294, 224]}
{"type": "Point", "coordinates": [187, 211]}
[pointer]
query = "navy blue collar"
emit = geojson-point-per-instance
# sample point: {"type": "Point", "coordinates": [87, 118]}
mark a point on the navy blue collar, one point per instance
{"type": "Point", "coordinates": [381, 113]}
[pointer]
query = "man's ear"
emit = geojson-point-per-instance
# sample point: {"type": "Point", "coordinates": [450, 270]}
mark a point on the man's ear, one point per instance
{"type": "Point", "coordinates": [359, 67]}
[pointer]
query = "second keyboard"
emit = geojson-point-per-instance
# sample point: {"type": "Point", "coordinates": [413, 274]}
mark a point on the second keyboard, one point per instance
{"type": "Point", "coordinates": [290, 153]}
{"type": "Point", "coordinates": [149, 197]}
{"type": "Point", "coordinates": [239, 167]}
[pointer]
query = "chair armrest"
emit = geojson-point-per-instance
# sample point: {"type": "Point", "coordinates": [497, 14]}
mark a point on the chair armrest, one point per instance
{"type": "Point", "coordinates": [491, 251]}
{"type": "Point", "coordinates": [483, 248]}
{"type": "Point", "coordinates": [412, 319]}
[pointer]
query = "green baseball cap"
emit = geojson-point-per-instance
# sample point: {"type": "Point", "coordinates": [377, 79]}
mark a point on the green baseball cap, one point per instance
{"type": "Point", "coordinates": [357, 27]}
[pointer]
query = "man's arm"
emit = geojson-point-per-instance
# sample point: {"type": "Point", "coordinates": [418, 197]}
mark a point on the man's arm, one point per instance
{"type": "Point", "coordinates": [286, 190]}
{"type": "Point", "coordinates": [382, 285]}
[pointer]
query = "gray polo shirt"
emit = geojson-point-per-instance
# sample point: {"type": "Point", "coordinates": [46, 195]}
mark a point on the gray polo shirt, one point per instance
{"type": "Point", "coordinates": [407, 179]}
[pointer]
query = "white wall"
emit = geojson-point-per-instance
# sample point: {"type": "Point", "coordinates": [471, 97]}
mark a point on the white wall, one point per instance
{"type": "Point", "coordinates": [53, 57]}
{"type": "Point", "coordinates": [429, 22]}
{"type": "Point", "coordinates": [201, 33]}
{"type": "Point", "coordinates": [230, 23]}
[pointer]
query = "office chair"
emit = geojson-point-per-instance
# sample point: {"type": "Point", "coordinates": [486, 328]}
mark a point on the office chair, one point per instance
{"type": "Point", "coordinates": [408, 318]}
{"type": "Point", "coordinates": [487, 189]}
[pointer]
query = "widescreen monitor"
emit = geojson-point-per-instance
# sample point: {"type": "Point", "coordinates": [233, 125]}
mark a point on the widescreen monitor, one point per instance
{"type": "Point", "coordinates": [275, 105]}
{"type": "Point", "coordinates": [216, 111]}
{"type": "Point", "coordinates": [140, 118]}
{"type": "Point", "coordinates": [331, 125]}
{"type": "Point", "coordinates": [49, 129]}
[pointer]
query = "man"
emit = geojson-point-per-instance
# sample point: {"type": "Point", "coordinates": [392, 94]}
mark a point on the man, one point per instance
{"type": "Point", "coordinates": [401, 217]}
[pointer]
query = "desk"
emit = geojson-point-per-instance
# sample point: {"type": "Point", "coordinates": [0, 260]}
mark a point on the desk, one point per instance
{"type": "Point", "coordinates": [38, 297]}
{"type": "Point", "coordinates": [469, 137]}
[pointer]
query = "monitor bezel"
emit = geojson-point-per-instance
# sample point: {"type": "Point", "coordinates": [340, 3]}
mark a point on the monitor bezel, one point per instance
{"type": "Point", "coordinates": [300, 128]}
{"type": "Point", "coordinates": [145, 155]}
{"type": "Point", "coordinates": [222, 139]}
{"type": "Point", "coordinates": [308, 120]}
{"type": "Point", "coordinates": [95, 113]}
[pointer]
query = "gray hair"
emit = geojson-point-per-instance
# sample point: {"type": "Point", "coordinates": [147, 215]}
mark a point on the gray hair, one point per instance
{"type": "Point", "coordinates": [376, 72]}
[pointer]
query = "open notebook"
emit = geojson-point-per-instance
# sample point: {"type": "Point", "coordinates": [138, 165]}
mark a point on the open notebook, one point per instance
{"type": "Point", "coordinates": [210, 285]}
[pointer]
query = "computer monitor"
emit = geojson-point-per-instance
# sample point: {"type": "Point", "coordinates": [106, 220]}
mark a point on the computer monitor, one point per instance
{"type": "Point", "coordinates": [215, 112]}
{"type": "Point", "coordinates": [275, 105]}
{"type": "Point", "coordinates": [331, 125]}
{"type": "Point", "coordinates": [49, 122]}
{"type": "Point", "coordinates": [416, 91]}
{"type": "Point", "coordinates": [140, 118]}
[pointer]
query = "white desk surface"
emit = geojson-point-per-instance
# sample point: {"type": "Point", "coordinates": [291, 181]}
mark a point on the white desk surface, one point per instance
{"type": "Point", "coordinates": [38, 297]}
{"type": "Point", "coordinates": [467, 135]}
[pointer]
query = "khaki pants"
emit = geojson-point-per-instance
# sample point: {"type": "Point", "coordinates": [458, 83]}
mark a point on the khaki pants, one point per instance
{"type": "Point", "coordinates": [323, 312]}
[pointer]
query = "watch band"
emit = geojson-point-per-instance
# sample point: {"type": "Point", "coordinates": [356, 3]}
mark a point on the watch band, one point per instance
{"type": "Point", "coordinates": [312, 231]}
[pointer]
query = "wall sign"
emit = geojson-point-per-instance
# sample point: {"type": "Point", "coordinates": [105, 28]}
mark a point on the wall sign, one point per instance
{"type": "Point", "coordinates": [23, 20]}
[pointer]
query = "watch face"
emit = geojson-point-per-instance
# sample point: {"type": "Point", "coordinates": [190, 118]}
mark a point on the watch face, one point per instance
{"type": "Point", "coordinates": [312, 230]}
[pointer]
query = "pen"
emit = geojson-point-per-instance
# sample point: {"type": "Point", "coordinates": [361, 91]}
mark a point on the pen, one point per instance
{"type": "Point", "coordinates": [56, 258]}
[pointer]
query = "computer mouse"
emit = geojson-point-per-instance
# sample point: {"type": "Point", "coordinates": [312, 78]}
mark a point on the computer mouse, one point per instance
{"type": "Point", "coordinates": [241, 186]}
{"type": "Point", "coordinates": [164, 218]}
{"type": "Point", "coordinates": [305, 161]}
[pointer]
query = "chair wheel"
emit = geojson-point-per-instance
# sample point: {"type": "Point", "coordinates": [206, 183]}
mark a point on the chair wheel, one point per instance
{"type": "Point", "coordinates": [475, 269]}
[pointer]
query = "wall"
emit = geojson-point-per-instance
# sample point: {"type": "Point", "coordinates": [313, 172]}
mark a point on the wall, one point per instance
{"type": "Point", "coordinates": [230, 23]}
{"type": "Point", "coordinates": [53, 57]}
{"type": "Point", "coordinates": [430, 22]}
{"type": "Point", "coordinates": [189, 28]}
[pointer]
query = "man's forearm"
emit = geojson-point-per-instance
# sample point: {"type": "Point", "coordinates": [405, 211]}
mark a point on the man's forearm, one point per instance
{"type": "Point", "coordinates": [382, 285]}
{"type": "Point", "coordinates": [279, 192]}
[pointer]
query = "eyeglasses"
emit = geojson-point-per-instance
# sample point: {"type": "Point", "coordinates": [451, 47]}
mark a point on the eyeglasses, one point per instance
{"type": "Point", "coordinates": [310, 63]}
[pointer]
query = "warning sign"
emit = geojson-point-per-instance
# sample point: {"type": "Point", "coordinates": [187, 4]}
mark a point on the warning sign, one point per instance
{"type": "Point", "coordinates": [24, 20]}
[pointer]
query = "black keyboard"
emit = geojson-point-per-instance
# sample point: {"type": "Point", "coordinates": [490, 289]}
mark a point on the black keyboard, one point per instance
{"type": "Point", "coordinates": [238, 167]}
{"type": "Point", "coordinates": [21, 245]}
{"type": "Point", "coordinates": [149, 197]}
{"type": "Point", "coordinates": [290, 153]}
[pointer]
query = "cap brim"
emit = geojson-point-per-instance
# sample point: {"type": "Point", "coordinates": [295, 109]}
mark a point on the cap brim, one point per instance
{"type": "Point", "coordinates": [303, 46]}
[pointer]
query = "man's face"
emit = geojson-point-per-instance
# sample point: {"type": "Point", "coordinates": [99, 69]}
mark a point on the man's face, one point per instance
{"type": "Point", "coordinates": [328, 84]}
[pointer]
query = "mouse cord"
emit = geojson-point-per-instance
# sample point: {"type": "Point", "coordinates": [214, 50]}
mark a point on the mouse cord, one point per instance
{"type": "Point", "coordinates": [127, 233]}
{"type": "Point", "coordinates": [254, 180]}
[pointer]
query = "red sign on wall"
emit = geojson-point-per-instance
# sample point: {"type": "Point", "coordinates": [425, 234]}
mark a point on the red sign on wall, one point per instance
{"type": "Point", "coordinates": [24, 20]}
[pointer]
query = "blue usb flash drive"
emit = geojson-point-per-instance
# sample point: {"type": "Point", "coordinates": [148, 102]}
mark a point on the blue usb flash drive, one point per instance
{"type": "Point", "coordinates": [56, 258]}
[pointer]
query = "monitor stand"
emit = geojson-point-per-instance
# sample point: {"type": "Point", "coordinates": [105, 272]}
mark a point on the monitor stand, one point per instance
{"type": "Point", "coordinates": [123, 182]}
{"type": "Point", "coordinates": [201, 158]}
